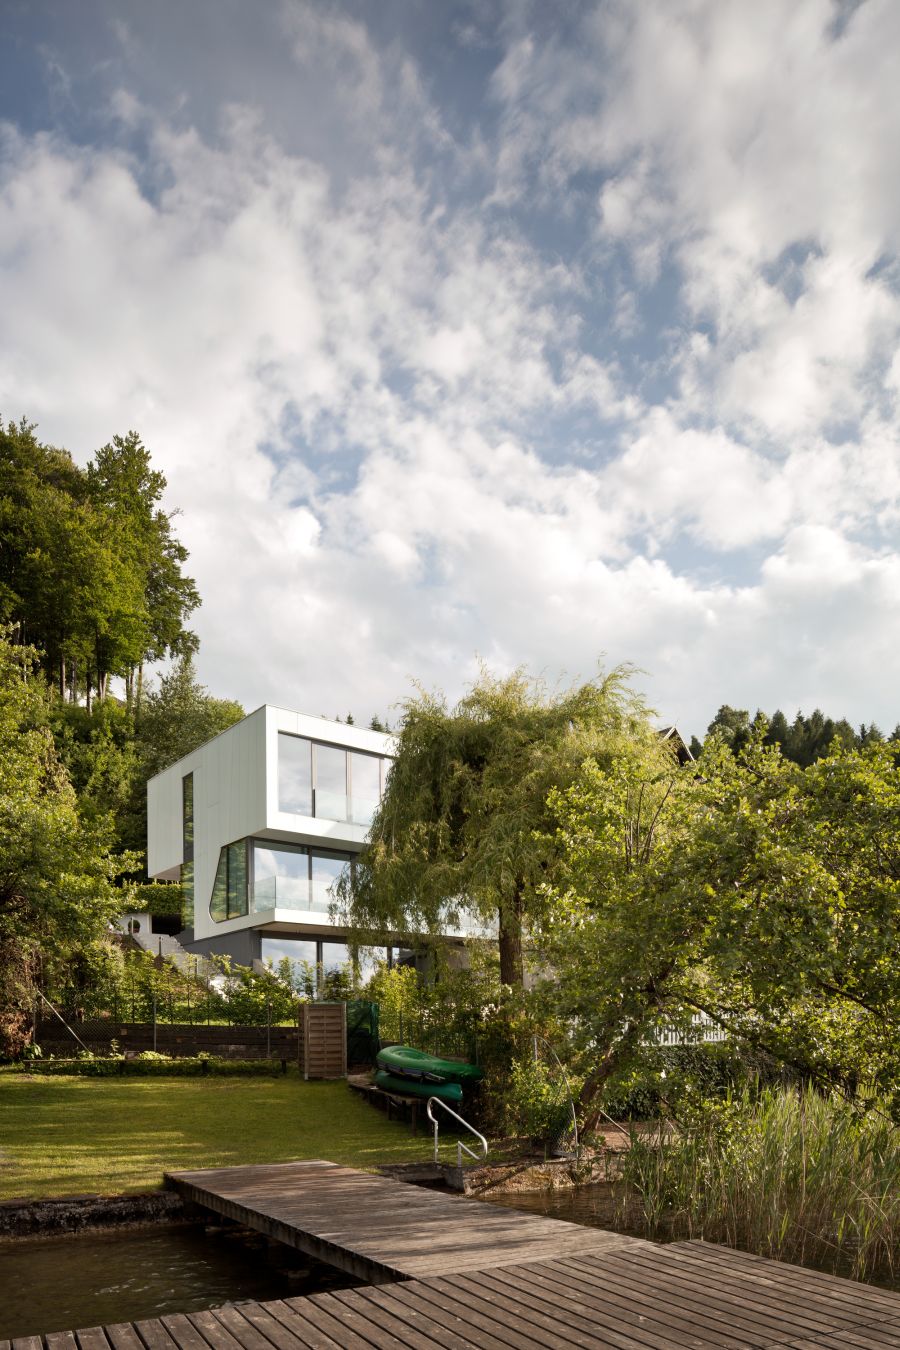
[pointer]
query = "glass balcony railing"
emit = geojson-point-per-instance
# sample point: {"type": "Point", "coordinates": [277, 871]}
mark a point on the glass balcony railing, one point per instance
{"type": "Point", "coordinates": [291, 893]}
{"type": "Point", "coordinates": [338, 806]}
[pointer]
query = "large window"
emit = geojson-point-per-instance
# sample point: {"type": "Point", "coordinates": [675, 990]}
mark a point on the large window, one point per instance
{"type": "Point", "coordinates": [289, 876]}
{"type": "Point", "coordinates": [295, 775]}
{"type": "Point", "coordinates": [327, 781]}
{"type": "Point", "coordinates": [317, 957]}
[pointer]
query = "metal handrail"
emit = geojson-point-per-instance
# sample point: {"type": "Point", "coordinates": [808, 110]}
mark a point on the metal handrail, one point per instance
{"type": "Point", "coordinates": [461, 1148]}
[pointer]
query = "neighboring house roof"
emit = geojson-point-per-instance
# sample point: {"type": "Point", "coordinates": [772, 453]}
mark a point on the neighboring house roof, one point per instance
{"type": "Point", "coordinates": [680, 745]}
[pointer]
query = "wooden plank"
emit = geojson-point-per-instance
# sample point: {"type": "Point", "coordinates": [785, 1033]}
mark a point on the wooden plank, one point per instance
{"type": "Point", "coordinates": [619, 1327]}
{"type": "Point", "coordinates": [360, 1223]}
{"type": "Point", "coordinates": [27, 1343]}
{"type": "Point", "coordinates": [60, 1340]}
{"type": "Point", "coordinates": [702, 1315]}
{"type": "Point", "coordinates": [398, 1327]}
{"type": "Point", "coordinates": [183, 1332]}
{"type": "Point", "coordinates": [212, 1331]}
{"type": "Point", "coordinates": [400, 1302]}
{"type": "Point", "coordinates": [592, 1304]}
{"type": "Point", "coordinates": [482, 1318]}
{"type": "Point", "coordinates": [241, 1329]}
{"type": "Point", "coordinates": [92, 1338]}
{"type": "Point", "coordinates": [301, 1325]}
{"type": "Point", "coordinates": [323, 1319]}
{"type": "Point", "coordinates": [154, 1335]}
{"type": "Point", "coordinates": [730, 1307]}
{"type": "Point", "coordinates": [783, 1273]}
{"type": "Point", "coordinates": [122, 1336]}
{"type": "Point", "coordinates": [282, 1336]}
{"type": "Point", "coordinates": [827, 1302]}
{"type": "Point", "coordinates": [352, 1314]}
{"type": "Point", "coordinates": [881, 1337]}
{"type": "Point", "coordinates": [774, 1315]}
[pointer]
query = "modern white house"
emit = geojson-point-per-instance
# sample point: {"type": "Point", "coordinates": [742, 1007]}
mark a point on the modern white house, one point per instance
{"type": "Point", "coordinates": [257, 825]}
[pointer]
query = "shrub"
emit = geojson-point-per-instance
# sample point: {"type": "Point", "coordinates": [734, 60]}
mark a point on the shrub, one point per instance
{"type": "Point", "coordinates": [537, 1104]}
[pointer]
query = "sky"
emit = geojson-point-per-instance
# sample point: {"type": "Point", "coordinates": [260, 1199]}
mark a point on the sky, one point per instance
{"type": "Point", "coordinates": [553, 336]}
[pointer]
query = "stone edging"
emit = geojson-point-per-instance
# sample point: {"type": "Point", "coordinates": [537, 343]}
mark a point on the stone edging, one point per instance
{"type": "Point", "coordinates": [76, 1213]}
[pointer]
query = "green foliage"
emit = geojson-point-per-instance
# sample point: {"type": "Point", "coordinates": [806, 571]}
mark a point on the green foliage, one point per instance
{"type": "Point", "coordinates": [463, 830]}
{"type": "Point", "coordinates": [672, 1081]}
{"type": "Point", "coordinates": [90, 570]}
{"type": "Point", "coordinates": [802, 741]}
{"type": "Point", "coordinates": [800, 1177]}
{"type": "Point", "coordinates": [57, 896]}
{"type": "Point", "coordinates": [258, 998]}
{"type": "Point", "coordinates": [536, 1103]}
{"type": "Point", "coordinates": [151, 1064]}
{"type": "Point", "coordinates": [765, 895]}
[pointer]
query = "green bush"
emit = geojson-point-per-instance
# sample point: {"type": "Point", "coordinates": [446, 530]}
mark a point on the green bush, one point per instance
{"type": "Point", "coordinates": [150, 1064]}
{"type": "Point", "coordinates": [537, 1103]}
{"type": "Point", "coordinates": [669, 1080]}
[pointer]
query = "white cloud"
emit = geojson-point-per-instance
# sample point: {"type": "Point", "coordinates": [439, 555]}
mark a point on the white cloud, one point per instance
{"type": "Point", "coordinates": [397, 425]}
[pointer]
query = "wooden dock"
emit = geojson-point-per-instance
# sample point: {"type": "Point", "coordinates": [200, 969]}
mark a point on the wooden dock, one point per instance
{"type": "Point", "coordinates": [457, 1273]}
{"type": "Point", "coordinates": [636, 1297]}
{"type": "Point", "coordinates": [378, 1229]}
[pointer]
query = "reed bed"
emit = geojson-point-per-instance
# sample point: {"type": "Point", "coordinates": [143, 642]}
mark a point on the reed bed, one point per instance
{"type": "Point", "coordinates": [784, 1173]}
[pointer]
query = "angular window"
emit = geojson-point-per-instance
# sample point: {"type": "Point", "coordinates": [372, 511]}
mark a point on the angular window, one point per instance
{"type": "Point", "coordinates": [294, 775]}
{"type": "Point", "coordinates": [229, 892]}
{"type": "Point", "coordinates": [187, 817]}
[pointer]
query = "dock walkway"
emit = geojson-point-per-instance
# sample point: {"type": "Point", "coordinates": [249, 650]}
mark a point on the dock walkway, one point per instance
{"type": "Point", "coordinates": [459, 1274]}
{"type": "Point", "coordinates": [378, 1229]}
{"type": "Point", "coordinates": [638, 1297]}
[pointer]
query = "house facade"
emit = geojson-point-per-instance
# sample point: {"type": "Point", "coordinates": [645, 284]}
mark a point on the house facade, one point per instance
{"type": "Point", "coordinates": [258, 824]}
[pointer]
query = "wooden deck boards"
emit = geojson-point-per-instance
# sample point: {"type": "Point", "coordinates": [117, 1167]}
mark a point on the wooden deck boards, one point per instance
{"type": "Point", "coordinates": [688, 1295]}
{"type": "Point", "coordinates": [457, 1274]}
{"type": "Point", "coordinates": [379, 1229]}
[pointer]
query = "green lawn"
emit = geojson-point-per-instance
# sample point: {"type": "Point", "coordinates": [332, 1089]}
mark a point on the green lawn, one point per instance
{"type": "Point", "coordinates": [71, 1136]}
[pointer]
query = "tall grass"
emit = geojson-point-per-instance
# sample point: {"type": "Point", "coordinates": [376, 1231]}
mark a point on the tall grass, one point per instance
{"type": "Point", "coordinates": [784, 1173]}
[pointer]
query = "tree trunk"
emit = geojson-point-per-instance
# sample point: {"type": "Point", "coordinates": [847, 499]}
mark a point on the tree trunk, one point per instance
{"type": "Point", "coordinates": [87, 688]}
{"type": "Point", "coordinates": [139, 690]}
{"type": "Point", "coordinates": [510, 942]}
{"type": "Point", "coordinates": [62, 677]}
{"type": "Point", "coordinates": [589, 1110]}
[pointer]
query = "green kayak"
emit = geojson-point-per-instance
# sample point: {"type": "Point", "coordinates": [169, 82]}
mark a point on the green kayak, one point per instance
{"type": "Point", "coordinates": [404, 1062]}
{"type": "Point", "coordinates": [406, 1087]}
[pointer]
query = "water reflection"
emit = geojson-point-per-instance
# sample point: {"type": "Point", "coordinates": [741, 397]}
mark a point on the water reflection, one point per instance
{"type": "Point", "coordinates": [83, 1280]}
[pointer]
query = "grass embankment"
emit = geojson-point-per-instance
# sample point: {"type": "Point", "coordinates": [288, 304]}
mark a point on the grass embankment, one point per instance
{"type": "Point", "coordinates": [72, 1136]}
{"type": "Point", "coordinates": [794, 1176]}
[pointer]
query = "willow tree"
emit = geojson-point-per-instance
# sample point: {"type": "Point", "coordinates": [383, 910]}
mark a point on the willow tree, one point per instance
{"type": "Point", "coordinates": [464, 829]}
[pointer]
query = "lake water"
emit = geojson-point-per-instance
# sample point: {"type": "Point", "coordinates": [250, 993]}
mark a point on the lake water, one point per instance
{"type": "Point", "coordinates": [84, 1280]}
